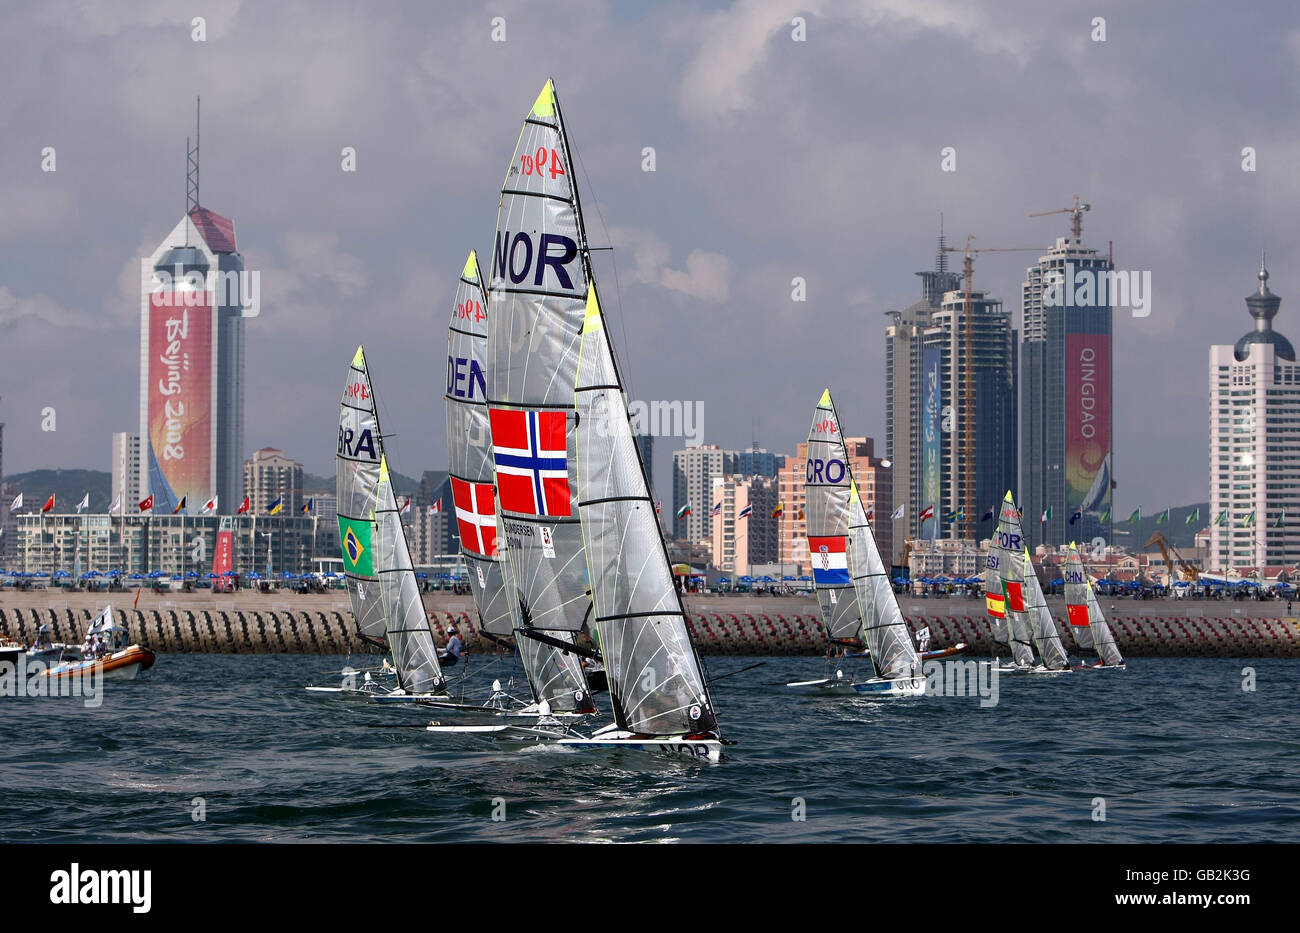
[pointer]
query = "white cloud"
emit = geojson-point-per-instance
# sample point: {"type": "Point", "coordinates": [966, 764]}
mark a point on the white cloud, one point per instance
{"type": "Point", "coordinates": [707, 275]}
{"type": "Point", "coordinates": [15, 308]}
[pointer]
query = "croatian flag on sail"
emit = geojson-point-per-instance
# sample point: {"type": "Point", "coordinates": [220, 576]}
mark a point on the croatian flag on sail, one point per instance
{"type": "Point", "coordinates": [476, 516]}
{"type": "Point", "coordinates": [830, 561]}
{"type": "Point", "coordinates": [532, 461]}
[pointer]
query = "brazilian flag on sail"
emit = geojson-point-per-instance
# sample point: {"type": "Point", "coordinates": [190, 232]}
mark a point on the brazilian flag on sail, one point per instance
{"type": "Point", "coordinates": [354, 539]}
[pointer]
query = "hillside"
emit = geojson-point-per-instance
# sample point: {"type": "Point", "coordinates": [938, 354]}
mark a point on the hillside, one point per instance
{"type": "Point", "coordinates": [68, 487]}
{"type": "Point", "coordinates": [1180, 534]}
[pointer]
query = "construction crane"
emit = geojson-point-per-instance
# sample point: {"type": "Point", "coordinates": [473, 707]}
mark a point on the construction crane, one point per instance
{"type": "Point", "coordinates": [965, 526]}
{"type": "Point", "coordinates": [1076, 223]}
{"type": "Point", "coordinates": [1189, 572]}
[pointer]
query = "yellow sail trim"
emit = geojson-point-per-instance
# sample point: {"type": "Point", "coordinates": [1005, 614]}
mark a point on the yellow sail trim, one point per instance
{"type": "Point", "coordinates": [592, 322]}
{"type": "Point", "coordinates": [825, 400]}
{"type": "Point", "coordinates": [359, 361]}
{"type": "Point", "coordinates": [471, 266]}
{"type": "Point", "coordinates": [383, 468]}
{"type": "Point", "coordinates": [544, 106]}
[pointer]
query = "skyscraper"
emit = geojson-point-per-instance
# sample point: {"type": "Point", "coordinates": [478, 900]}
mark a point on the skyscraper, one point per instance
{"type": "Point", "coordinates": [192, 360]}
{"type": "Point", "coordinates": [1066, 454]}
{"type": "Point", "coordinates": [695, 469]}
{"type": "Point", "coordinates": [126, 472]}
{"type": "Point", "coordinates": [905, 399]}
{"type": "Point", "coordinates": [1255, 445]}
{"type": "Point", "coordinates": [961, 480]}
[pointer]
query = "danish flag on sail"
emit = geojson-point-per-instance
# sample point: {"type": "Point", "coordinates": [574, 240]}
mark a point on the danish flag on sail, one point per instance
{"type": "Point", "coordinates": [532, 461]}
{"type": "Point", "coordinates": [830, 561]}
{"type": "Point", "coordinates": [476, 516]}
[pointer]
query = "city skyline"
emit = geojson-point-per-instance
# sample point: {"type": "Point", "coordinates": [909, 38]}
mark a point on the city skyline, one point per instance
{"type": "Point", "coordinates": [706, 266]}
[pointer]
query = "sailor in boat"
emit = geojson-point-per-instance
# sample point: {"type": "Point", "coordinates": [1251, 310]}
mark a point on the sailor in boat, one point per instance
{"type": "Point", "coordinates": [450, 655]}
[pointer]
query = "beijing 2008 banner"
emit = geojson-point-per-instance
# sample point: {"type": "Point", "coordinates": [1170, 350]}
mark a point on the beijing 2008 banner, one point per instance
{"type": "Point", "coordinates": [931, 440]}
{"type": "Point", "coordinates": [180, 397]}
{"type": "Point", "coordinates": [1087, 422]}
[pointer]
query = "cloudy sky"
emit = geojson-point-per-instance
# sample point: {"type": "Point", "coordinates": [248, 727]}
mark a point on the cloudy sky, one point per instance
{"type": "Point", "coordinates": [775, 158]}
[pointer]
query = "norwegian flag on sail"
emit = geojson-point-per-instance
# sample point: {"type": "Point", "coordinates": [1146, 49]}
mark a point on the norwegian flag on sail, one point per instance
{"type": "Point", "coordinates": [476, 516]}
{"type": "Point", "coordinates": [532, 461]}
{"type": "Point", "coordinates": [830, 561]}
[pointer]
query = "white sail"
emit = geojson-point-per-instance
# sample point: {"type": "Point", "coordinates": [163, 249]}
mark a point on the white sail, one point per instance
{"type": "Point", "coordinates": [1008, 582]}
{"type": "Point", "coordinates": [1076, 600]}
{"type": "Point", "coordinates": [826, 510]}
{"type": "Point", "coordinates": [656, 686]}
{"type": "Point", "coordinates": [1102, 637]}
{"type": "Point", "coordinates": [415, 654]}
{"type": "Point", "coordinates": [360, 449]}
{"type": "Point", "coordinates": [554, 675]}
{"type": "Point", "coordinates": [883, 627]}
{"type": "Point", "coordinates": [1046, 638]}
{"type": "Point", "coordinates": [537, 300]}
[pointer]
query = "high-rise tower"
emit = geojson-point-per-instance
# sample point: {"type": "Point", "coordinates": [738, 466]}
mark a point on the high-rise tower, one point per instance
{"type": "Point", "coordinates": [1066, 451]}
{"type": "Point", "coordinates": [192, 359]}
{"type": "Point", "coordinates": [1255, 445]}
{"type": "Point", "coordinates": [905, 401]}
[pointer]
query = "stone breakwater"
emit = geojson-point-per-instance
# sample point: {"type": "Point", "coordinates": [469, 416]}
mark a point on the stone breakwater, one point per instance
{"type": "Point", "coordinates": [248, 623]}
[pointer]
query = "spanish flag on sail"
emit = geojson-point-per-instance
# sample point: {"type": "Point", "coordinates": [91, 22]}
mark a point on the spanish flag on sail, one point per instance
{"type": "Point", "coordinates": [996, 603]}
{"type": "Point", "coordinates": [277, 506]}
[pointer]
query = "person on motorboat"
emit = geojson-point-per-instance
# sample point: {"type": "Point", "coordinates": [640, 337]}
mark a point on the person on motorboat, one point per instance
{"type": "Point", "coordinates": [450, 655]}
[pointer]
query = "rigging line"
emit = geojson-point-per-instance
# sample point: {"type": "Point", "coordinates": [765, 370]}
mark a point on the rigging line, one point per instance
{"type": "Point", "coordinates": [618, 288]}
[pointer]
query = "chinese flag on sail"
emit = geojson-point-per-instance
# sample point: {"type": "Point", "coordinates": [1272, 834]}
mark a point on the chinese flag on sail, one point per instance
{"type": "Point", "coordinates": [244, 506]}
{"type": "Point", "coordinates": [1015, 596]}
{"type": "Point", "coordinates": [49, 504]}
{"type": "Point", "coordinates": [1078, 615]}
{"type": "Point", "coordinates": [146, 505]}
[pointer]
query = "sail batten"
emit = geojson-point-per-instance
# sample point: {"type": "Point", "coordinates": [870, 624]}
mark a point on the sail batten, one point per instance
{"type": "Point", "coordinates": [655, 681]}
{"type": "Point", "coordinates": [1088, 623]}
{"type": "Point", "coordinates": [554, 675]}
{"type": "Point", "coordinates": [415, 655]}
{"type": "Point", "coordinates": [883, 628]}
{"type": "Point", "coordinates": [536, 304]}
{"type": "Point", "coordinates": [360, 448]}
{"type": "Point", "coordinates": [826, 510]}
{"type": "Point", "coordinates": [1004, 582]}
{"type": "Point", "coordinates": [1046, 638]}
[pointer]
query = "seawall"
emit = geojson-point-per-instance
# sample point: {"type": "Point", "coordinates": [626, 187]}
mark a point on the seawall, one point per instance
{"type": "Point", "coordinates": [252, 622]}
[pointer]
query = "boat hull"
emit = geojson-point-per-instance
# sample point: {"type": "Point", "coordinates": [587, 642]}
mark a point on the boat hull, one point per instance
{"type": "Point", "coordinates": [675, 746]}
{"type": "Point", "coordinates": [120, 665]}
{"type": "Point", "coordinates": [959, 648]}
{"type": "Point", "coordinates": [901, 687]}
{"type": "Point", "coordinates": [875, 687]}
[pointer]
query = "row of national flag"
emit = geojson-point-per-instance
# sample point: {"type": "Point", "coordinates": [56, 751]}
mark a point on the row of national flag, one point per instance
{"type": "Point", "coordinates": [146, 505]}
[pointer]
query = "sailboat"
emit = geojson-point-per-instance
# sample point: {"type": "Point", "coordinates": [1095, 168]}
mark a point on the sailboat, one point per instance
{"type": "Point", "coordinates": [415, 654]}
{"type": "Point", "coordinates": [582, 538]}
{"type": "Point", "coordinates": [857, 602]}
{"type": "Point", "coordinates": [1008, 597]}
{"type": "Point", "coordinates": [554, 673]}
{"type": "Point", "coordinates": [1087, 623]}
{"type": "Point", "coordinates": [360, 460]}
{"type": "Point", "coordinates": [1047, 640]}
